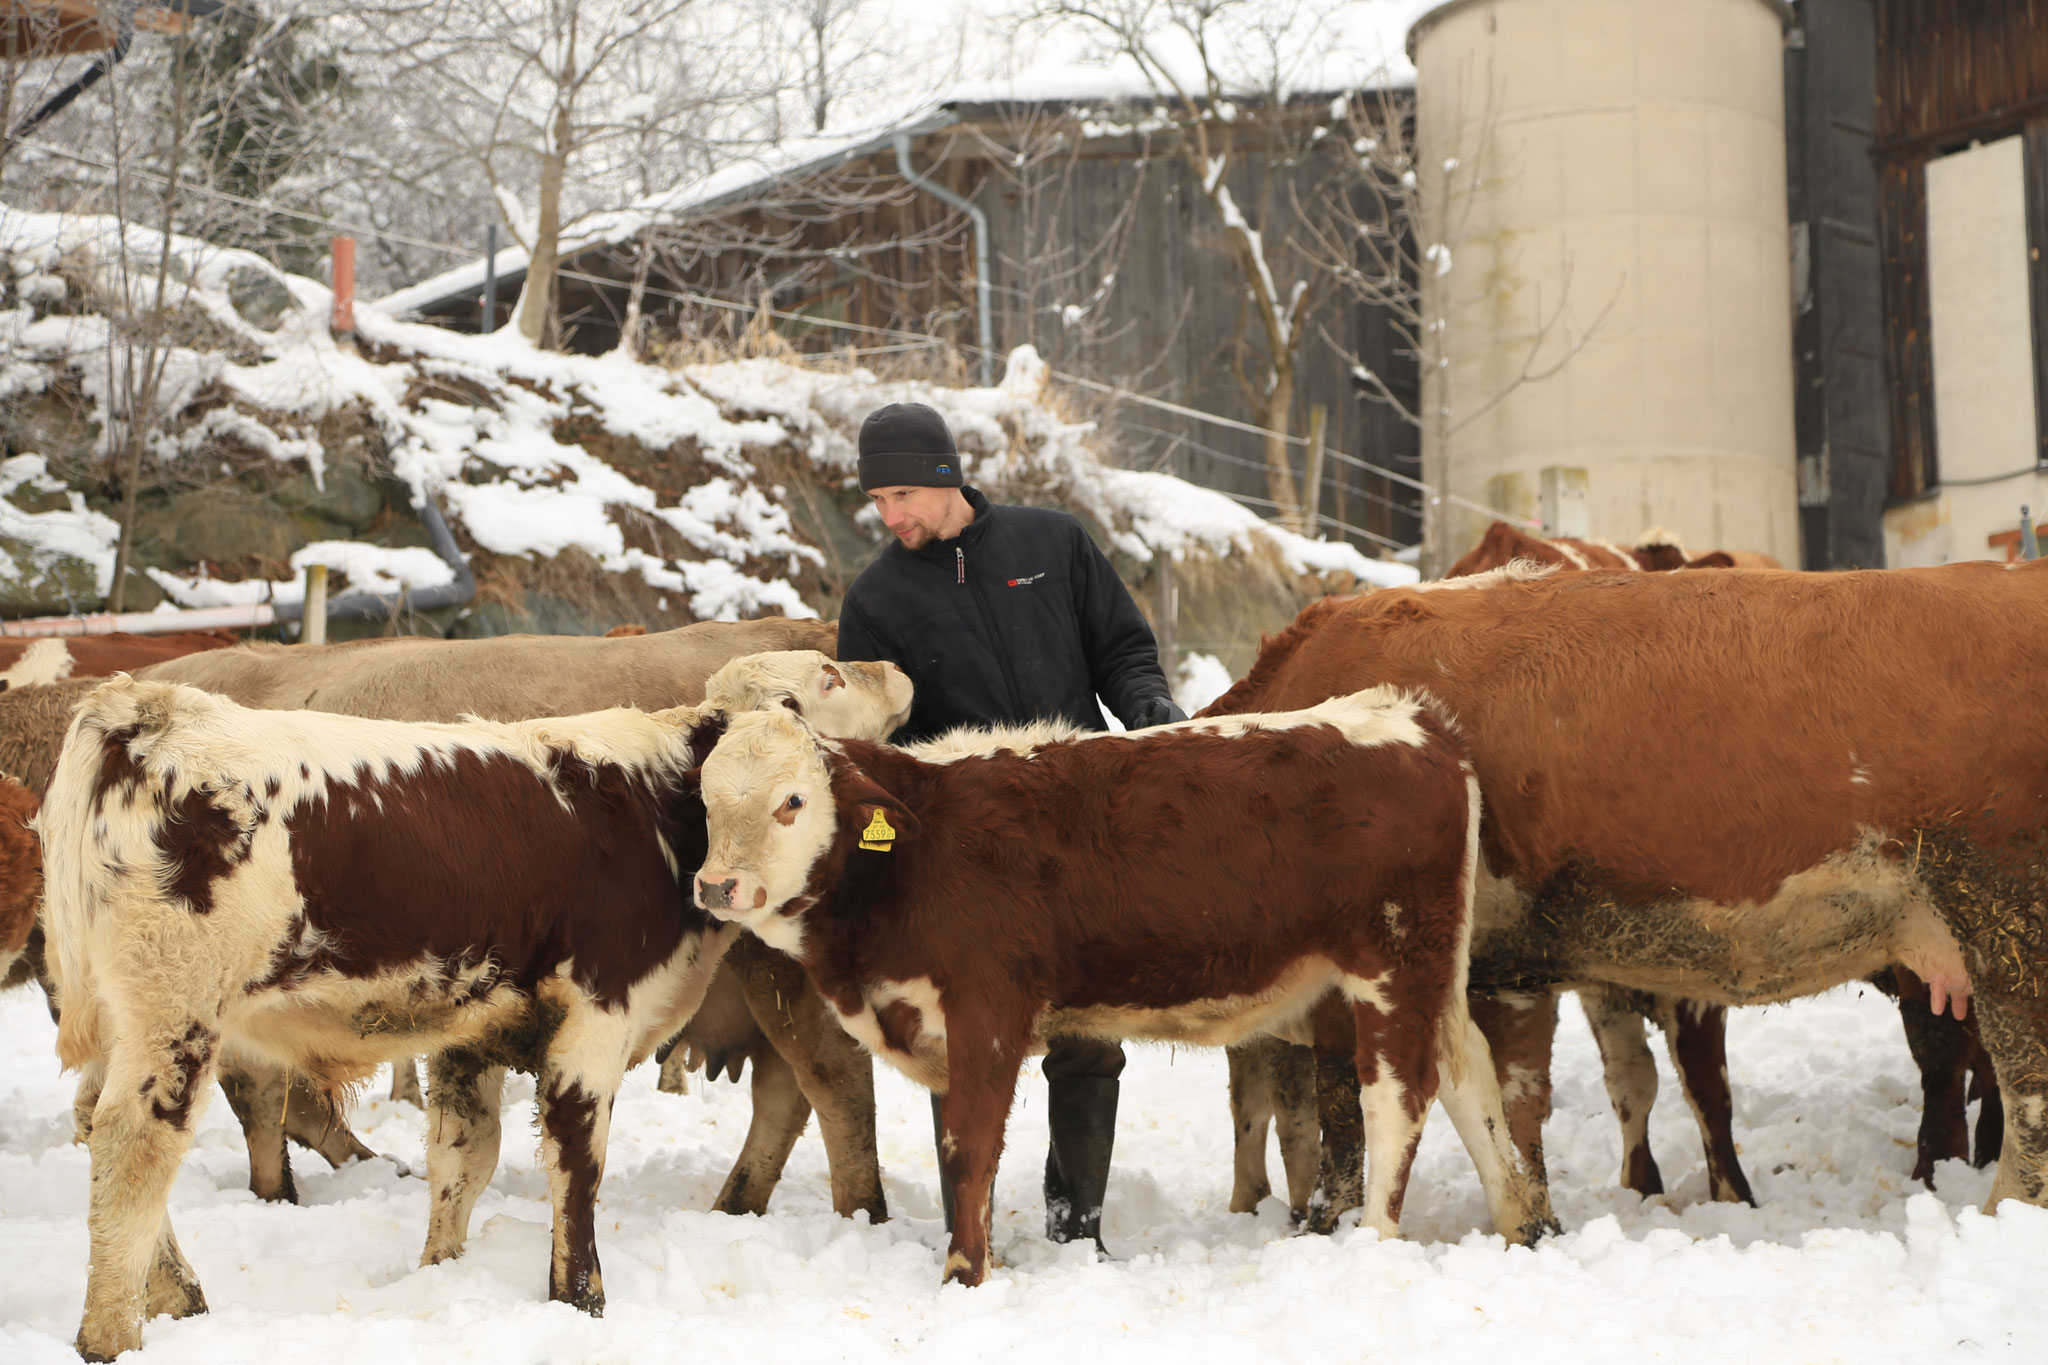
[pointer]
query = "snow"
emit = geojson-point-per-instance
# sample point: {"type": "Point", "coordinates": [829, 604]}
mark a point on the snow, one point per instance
{"type": "Point", "coordinates": [1203, 679]}
{"type": "Point", "coordinates": [1846, 1259]}
{"type": "Point", "coordinates": [492, 427]}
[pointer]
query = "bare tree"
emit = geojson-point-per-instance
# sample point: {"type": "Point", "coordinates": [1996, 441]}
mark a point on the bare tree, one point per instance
{"type": "Point", "coordinates": [558, 104]}
{"type": "Point", "coordinates": [1222, 73]}
{"type": "Point", "coordinates": [1385, 241]}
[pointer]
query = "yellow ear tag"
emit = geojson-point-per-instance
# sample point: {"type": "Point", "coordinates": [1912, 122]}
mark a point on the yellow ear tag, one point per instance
{"type": "Point", "coordinates": [878, 835]}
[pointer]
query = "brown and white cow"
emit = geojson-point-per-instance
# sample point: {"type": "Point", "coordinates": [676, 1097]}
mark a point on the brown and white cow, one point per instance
{"type": "Point", "coordinates": [1656, 550]}
{"type": "Point", "coordinates": [21, 875]}
{"type": "Point", "coordinates": [1734, 788]}
{"type": "Point", "coordinates": [959, 901]}
{"type": "Point", "coordinates": [37, 663]}
{"type": "Point", "coordinates": [329, 892]}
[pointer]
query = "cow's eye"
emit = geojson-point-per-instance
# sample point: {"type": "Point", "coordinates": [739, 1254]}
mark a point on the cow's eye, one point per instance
{"type": "Point", "coordinates": [795, 802]}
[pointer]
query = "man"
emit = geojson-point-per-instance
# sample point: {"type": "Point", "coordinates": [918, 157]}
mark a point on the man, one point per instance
{"type": "Point", "coordinates": [1004, 615]}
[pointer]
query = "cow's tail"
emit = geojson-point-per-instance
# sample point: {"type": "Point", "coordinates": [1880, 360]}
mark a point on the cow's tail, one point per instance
{"type": "Point", "coordinates": [1455, 1027]}
{"type": "Point", "coordinates": [114, 723]}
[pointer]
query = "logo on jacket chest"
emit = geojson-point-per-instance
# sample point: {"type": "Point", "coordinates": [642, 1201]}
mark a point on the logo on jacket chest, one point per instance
{"type": "Point", "coordinates": [1024, 582]}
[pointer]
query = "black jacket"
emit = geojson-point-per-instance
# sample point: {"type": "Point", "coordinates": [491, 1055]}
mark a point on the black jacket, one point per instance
{"type": "Point", "coordinates": [1018, 618]}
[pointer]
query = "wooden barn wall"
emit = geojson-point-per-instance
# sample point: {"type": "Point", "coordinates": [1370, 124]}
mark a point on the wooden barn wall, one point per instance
{"type": "Point", "coordinates": [1838, 330]}
{"type": "Point", "coordinates": [1166, 328]}
{"type": "Point", "coordinates": [1950, 72]}
{"type": "Point", "coordinates": [1170, 325]}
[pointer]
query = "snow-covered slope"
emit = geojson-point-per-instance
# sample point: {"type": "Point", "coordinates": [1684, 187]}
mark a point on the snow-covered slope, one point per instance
{"type": "Point", "coordinates": [1846, 1260]}
{"type": "Point", "coordinates": [506, 436]}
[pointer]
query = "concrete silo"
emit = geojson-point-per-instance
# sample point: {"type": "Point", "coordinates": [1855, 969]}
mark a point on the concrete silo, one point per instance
{"type": "Point", "coordinates": [1608, 175]}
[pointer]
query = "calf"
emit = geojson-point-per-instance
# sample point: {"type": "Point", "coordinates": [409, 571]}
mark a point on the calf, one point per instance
{"type": "Point", "coordinates": [958, 902]}
{"type": "Point", "coordinates": [328, 893]}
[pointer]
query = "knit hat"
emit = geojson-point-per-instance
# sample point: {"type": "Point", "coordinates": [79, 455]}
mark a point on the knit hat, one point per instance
{"type": "Point", "coordinates": [907, 444]}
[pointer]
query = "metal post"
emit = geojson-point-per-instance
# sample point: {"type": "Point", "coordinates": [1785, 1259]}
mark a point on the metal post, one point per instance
{"type": "Point", "coordinates": [2030, 544]}
{"type": "Point", "coordinates": [313, 622]}
{"type": "Point", "coordinates": [490, 323]}
{"type": "Point", "coordinates": [1312, 472]}
{"type": "Point", "coordinates": [1169, 614]}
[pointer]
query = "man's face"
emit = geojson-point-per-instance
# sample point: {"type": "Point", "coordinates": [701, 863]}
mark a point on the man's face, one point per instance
{"type": "Point", "coordinates": [915, 516]}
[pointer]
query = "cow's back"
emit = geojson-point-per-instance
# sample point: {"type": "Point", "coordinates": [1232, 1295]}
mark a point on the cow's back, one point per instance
{"type": "Point", "coordinates": [1707, 732]}
{"type": "Point", "coordinates": [509, 677]}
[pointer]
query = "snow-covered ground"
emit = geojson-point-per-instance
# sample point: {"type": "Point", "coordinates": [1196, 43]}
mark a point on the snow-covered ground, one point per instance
{"type": "Point", "coordinates": [1846, 1259]}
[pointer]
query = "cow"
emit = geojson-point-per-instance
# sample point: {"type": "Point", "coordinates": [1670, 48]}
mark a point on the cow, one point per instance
{"type": "Point", "coordinates": [514, 678]}
{"type": "Point", "coordinates": [330, 892]}
{"type": "Point", "coordinates": [21, 878]}
{"type": "Point", "coordinates": [35, 663]}
{"type": "Point", "coordinates": [520, 677]}
{"type": "Point", "coordinates": [1656, 550]}
{"type": "Point", "coordinates": [958, 901]}
{"type": "Point", "coordinates": [1859, 787]}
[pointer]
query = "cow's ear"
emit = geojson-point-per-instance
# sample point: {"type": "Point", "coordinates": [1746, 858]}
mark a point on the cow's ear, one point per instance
{"type": "Point", "coordinates": [830, 678]}
{"type": "Point", "coordinates": [878, 819]}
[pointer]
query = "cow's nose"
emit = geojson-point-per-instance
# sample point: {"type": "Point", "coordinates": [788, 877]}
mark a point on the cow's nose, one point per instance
{"type": "Point", "coordinates": [716, 895]}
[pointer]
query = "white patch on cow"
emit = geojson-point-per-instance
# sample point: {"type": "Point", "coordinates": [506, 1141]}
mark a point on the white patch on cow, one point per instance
{"type": "Point", "coordinates": [976, 741]}
{"type": "Point", "coordinates": [42, 663]}
{"type": "Point", "coordinates": [1515, 571]}
{"type": "Point", "coordinates": [1361, 990]}
{"type": "Point", "coordinates": [1572, 554]}
{"type": "Point", "coordinates": [1220, 1022]}
{"type": "Point", "coordinates": [926, 1062]}
{"type": "Point", "coordinates": [1523, 1081]}
{"type": "Point", "coordinates": [1654, 536]}
{"type": "Point", "coordinates": [1394, 926]}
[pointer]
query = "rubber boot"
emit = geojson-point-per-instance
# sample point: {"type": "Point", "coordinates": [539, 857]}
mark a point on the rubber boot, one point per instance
{"type": "Point", "coordinates": [939, 1145]}
{"type": "Point", "coordinates": [1081, 1112]}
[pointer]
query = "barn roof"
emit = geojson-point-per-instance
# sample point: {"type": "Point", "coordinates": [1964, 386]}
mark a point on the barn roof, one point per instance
{"type": "Point", "coordinates": [748, 180]}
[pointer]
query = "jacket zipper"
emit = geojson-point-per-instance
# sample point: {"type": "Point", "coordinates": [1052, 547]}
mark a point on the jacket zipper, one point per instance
{"type": "Point", "coordinates": [988, 622]}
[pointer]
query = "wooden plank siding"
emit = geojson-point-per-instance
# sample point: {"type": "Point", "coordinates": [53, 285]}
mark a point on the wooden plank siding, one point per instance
{"type": "Point", "coordinates": [1950, 73]}
{"type": "Point", "coordinates": [867, 250]}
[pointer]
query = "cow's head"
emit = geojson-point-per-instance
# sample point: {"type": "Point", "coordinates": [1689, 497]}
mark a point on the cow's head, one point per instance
{"type": "Point", "coordinates": [774, 810]}
{"type": "Point", "coordinates": [845, 700]}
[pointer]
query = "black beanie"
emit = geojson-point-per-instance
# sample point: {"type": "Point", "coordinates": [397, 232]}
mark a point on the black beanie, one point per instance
{"type": "Point", "coordinates": [907, 444]}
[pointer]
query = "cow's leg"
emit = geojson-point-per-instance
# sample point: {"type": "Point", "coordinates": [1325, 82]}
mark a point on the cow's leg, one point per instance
{"type": "Point", "coordinates": [1340, 1177]}
{"type": "Point", "coordinates": [1297, 1116]}
{"type": "Point", "coordinates": [156, 1087]}
{"type": "Point", "coordinates": [464, 1095]}
{"type": "Point", "coordinates": [1631, 1074]}
{"type": "Point", "coordinates": [1696, 1035]}
{"type": "Point", "coordinates": [981, 1083]}
{"type": "Point", "coordinates": [780, 1113]}
{"type": "Point", "coordinates": [1990, 1110]}
{"type": "Point", "coordinates": [1273, 1081]}
{"type": "Point", "coordinates": [585, 1062]}
{"type": "Point", "coordinates": [1252, 1067]}
{"type": "Point", "coordinates": [1397, 1072]}
{"type": "Point", "coordinates": [1993, 902]}
{"type": "Point", "coordinates": [257, 1095]}
{"type": "Point", "coordinates": [92, 1078]}
{"type": "Point", "coordinates": [312, 1120]}
{"type": "Point", "coordinates": [1520, 1026]}
{"type": "Point", "coordinates": [835, 1074]}
{"type": "Point", "coordinates": [173, 1287]}
{"type": "Point", "coordinates": [1517, 1188]}
{"type": "Point", "coordinates": [405, 1082]}
{"type": "Point", "coordinates": [1942, 1048]}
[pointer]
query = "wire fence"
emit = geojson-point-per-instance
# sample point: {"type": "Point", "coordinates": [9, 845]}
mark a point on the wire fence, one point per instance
{"type": "Point", "coordinates": [903, 340]}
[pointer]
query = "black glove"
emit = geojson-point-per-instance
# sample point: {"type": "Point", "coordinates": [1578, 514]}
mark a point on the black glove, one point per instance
{"type": "Point", "coordinates": [1156, 711]}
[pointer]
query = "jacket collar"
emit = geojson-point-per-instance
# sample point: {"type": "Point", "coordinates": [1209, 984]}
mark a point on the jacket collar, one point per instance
{"type": "Point", "coordinates": [985, 512]}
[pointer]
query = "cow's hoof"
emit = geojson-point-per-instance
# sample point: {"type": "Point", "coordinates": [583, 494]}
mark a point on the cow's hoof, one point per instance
{"type": "Point", "coordinates": [585, 1294]}
{"type": "Point", "coordinates": [1536, 1229]}
{"type": "Point", "coordinates": [104, 1343]}
{"type": "Point", "coordinates": [960, 1270]}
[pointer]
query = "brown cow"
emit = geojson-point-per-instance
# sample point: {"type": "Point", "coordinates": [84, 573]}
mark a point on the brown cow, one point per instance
{"type": "Point", "coordinates": [34, 663]}
{"type": "Point", "coordinates": [959, 901]}
{"type": "Point", "coordinates": [1860, 788]}
{"type": "Point", "coordinates": [21, 874]}
{"type": "Point", "coordinates": [331, 892]}
{"type": "Point", "coordinates": [1657, 549]}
